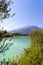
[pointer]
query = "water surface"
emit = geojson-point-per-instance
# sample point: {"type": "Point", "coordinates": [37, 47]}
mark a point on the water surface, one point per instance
{"type": "Point", "coordinates": [17, 47]}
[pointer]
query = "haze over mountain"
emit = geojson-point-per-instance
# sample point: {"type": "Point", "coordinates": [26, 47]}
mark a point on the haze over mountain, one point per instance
{"type": "Point", "coordinates": [25, 30]}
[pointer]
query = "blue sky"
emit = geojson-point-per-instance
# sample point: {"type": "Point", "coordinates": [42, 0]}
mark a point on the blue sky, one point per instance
{"type": "Point", "coordinates": [27, 12]}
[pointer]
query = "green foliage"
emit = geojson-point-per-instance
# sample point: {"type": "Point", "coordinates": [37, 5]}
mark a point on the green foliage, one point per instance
{"type": "Point", "coordinates": [3, 38]}
{"type": "Point", "coordinates": [5, 34]}
{"type": "Point", "coordinates": [8, 62]}
{"type": "Point", "coordinates": [35, 52]}
{"type": "Point", "coordinates": [4, 46]}
{"type": "Point", "coordinates": [37, 36]}
{"type": "Point", "coordinates": [5, 9]}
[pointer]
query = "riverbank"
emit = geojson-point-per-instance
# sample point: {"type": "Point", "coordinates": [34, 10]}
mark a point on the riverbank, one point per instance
{"type": "Point", "coordinates": [6, 34]}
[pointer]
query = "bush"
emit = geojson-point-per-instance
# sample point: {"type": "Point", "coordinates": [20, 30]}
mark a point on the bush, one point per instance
{"type": "Point", "coordinates": [35, 52]}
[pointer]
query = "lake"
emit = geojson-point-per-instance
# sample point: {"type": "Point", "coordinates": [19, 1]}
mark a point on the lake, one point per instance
{"type": "Point", "coordinates": [17, 47]}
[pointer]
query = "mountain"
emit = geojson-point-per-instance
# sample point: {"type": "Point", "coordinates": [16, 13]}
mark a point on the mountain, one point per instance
{"type": "Point", "coordinates": [25, 30]}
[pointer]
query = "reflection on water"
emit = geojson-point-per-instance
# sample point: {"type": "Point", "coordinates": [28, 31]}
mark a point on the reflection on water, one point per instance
{"type": "Point", "coordinates": [16, 49]}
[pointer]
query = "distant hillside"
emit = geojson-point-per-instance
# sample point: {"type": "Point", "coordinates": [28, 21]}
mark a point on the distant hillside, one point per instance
{"type": "Point", "coordinates": [25, 30]}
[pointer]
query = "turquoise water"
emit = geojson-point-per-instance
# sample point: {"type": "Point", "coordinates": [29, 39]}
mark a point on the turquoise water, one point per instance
{"type": "Point", "coordinates": [17, 47]}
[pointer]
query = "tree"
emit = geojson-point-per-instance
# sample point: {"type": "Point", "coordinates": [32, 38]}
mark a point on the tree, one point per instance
{"type": "Point", "coordinates": [5, 13]}
{"type": "Point", "coordinates": [4, 9]}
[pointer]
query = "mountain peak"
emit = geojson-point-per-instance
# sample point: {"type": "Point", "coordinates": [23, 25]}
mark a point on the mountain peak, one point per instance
{"type": "Point", "coordinates": [25, 30]}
